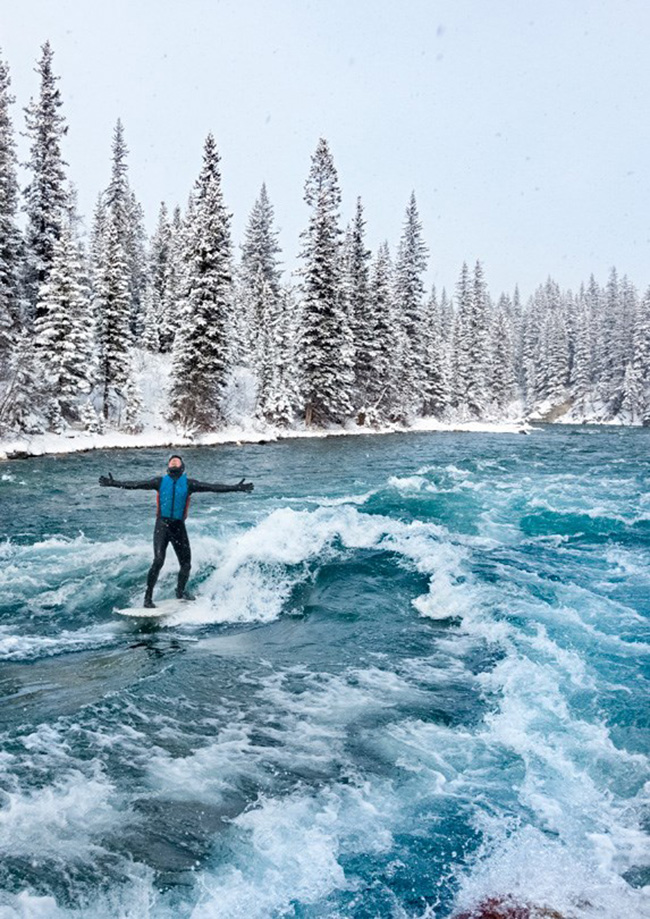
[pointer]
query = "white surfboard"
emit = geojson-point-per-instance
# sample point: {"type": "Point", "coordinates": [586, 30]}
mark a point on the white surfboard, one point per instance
{"type": "Point", "coordinates": [163, 608]}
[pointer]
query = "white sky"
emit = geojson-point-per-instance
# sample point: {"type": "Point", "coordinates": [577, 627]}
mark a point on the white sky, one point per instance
{"type": "Point", "coordinates": [522, 125]}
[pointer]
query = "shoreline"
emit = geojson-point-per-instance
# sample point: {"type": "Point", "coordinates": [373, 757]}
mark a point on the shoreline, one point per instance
{"type": "Point", "coordinates": [27, 447]}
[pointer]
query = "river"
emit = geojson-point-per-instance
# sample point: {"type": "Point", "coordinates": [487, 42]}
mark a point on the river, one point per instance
{"type": "Point", "coordinates": [415, 676]}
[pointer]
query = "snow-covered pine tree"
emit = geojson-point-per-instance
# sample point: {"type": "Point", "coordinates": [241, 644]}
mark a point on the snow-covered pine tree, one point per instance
{"type": "Point", "coordinates": [259, 282]}
{"type": "Point", "coordinates": [435, 385]}
{"type": "Point", "coordinates": [200, 367]}
{"type": "Point", "coordinates": [156, 281]}
{"type": "Point", "coordinates": [556, 344]}
{"type": "Point", "coordinates": [409, 300]}
{"type": "Point", "coordinates": [127, 219]}
{"type": "Point", "coordinates": [64, 329]}
{"type": "Point", "coordinates": [631, 395]}
{"type": "Point", "coordinates": [173, 283]}
{"type": "Point", "coordinates": [624, 343]}
{"type": "Point", "coordinates": [136, 248]}
{"type": "Point", "coordinates": [516, 314]}
{"type": "Point", "coordinates": [479, 344]}
{"type": "Point", "coordinates": [21, 403]}
{"type": "Point", "coordinates": [461, 344]}
{"type": "Point", "coordinates": [502, 388]}
{"type": "Point", "coordinates": [611, 370]}
{"type": "Point", "coordinates": [279, 390]}
{"type": "Point", "coordinates": [327, 358]}
{"type": "Point", "coordinates": [46, 195]}
{"type": "Point", "coordinates": [382, 394]}
{"type": "Point", "coordinates": [150, 339]}
{"type": "Point", "coordinates": [532, 372]}
{"type": "Point", "coordinates": [112, 302]}
{"type": "Point", "coordinates": [593, 304]}
{"type": "Point", "coordinates": [10, 240]}
{"type": "Point", "coordinates": [581, 379]}
{"type": "Point", "coordinates": [641, 356]}
{"type": "Point", "coordinates": [360, 308]}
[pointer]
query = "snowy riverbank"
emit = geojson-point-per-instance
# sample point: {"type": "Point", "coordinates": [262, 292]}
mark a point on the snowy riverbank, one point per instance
{"type": "Point", "coordinates": [21, 446]}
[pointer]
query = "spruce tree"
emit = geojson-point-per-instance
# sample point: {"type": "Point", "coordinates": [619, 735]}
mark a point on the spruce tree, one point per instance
{"type": "Point", "coordinates": [21, 402]}
{"type": "Point", "coordinates": [173, 284]}
{"type": "Point", "coordinates": [157, 277]}
{"type": "Point", "coordinates": [641, 356]}
{"type": "Point", "coordinates": [556, 344]}
{"type": "Point", "coordinates": [10, 241]}
{"type": "Point", "coordinates": [382, 395]}
{"type": "Point", "coordinates": [136, 248]}
{"type": "Point", "coordinates": [64, 330]}
{"type": "Point", "coordinates": [462, 341]}
{"type": "Point", "coordinates": [112, 307]}
{"type": "Point", "coordinates": [260, 274]}
{"type": "Point", "coordinates": [479, 344]}
{"type": "Point", "coordinates": [200, 361]}
{"type": "Point", "coordinates": [409, 299]}
{"type": "Point", "coordinates": [502, 379]}
{"type": "Point", "coordinates": [435, 383]}
{"type": "Point", "coordinates": [46, 195]}
{"type": "Point", "coordinates": [279, 383]}
{"type": "Point", "coordinates": [327, 358]}
{"type": "Point", "coordinates": [119, 202]}
{"type": "Point", "coordinates": [360, 308]}
{"type": "Point", "coordinates": [582, 366]}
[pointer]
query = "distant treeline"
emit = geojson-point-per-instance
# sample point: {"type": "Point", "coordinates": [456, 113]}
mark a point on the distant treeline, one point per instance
{"type": "Point", "coordinates": [352, 335]}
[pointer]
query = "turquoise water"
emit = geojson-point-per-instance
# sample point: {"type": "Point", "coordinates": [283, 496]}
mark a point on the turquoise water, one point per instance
{"type": "Point", "coordinates": [416, 675]}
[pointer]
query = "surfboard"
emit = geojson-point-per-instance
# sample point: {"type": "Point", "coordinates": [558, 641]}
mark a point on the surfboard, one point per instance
{"type": "Point", "coordinates": [163, 608]}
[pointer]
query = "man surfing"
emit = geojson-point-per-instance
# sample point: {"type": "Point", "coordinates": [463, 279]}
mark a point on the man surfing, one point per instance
{"type": "Point", "coordinates": [173, 499]}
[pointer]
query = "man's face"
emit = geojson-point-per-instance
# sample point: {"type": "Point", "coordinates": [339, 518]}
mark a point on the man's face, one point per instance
{"type": "Point", "coordinates": [174, 463]}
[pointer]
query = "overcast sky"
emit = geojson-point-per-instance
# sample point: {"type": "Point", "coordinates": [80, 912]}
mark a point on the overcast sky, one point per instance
{"type": "Point", "coordinates": [521, 125]}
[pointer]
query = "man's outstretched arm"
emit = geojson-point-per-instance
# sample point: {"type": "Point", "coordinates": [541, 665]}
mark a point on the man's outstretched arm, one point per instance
{"type": "Point", "coordinates": [109, 482]}
{"type": "Point", "coordinates": [195, 486]}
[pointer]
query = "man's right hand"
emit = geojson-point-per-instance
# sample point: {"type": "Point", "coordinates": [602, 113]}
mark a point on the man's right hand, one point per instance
{"type": "Point", "coordinates": [106, 480]}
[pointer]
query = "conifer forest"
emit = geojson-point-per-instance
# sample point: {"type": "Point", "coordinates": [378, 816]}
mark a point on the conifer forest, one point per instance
{"type": "Point", "coordinates": [351, 336]}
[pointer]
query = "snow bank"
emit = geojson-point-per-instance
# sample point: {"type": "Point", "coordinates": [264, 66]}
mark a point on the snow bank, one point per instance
{"type": "Point", "coordinates": [42, 444]}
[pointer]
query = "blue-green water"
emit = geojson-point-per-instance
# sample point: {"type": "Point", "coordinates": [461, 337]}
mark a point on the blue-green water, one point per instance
{"type": "Point", "coordinates": [416, 675]}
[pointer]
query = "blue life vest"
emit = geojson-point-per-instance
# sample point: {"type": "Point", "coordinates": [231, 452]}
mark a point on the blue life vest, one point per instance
{"type": "Point", "coordinates": [173, 497]}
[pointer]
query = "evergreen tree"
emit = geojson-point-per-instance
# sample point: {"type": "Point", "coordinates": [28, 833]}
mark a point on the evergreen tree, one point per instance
{"type": "Point", "coordinates": [409, 297]}
{"type": "Point", "coordinates": [479, 343]}
{"type": "Point", "coordinates": [173, 283]}
{"type": "Point", "coordinates": [360, 309]}
{"type": "Point", "coordinates": [127, 219]}
{"type": "Point", "coordinates": [64, 328]}
{"type": "Point", "coordinates": [327, 358]}
{"type": "Point", "coordinates": [462, 339]}
{"type": "Point", "coordinates": [260, 279]}
{"type": "Point", "coordinates": [21, 402]}
{"type": "Point", "coordinates": [136, 248]}
{"type": "Point", "coordinates": [279, 386]}
{"type": "Point", "coordinates": [382, 394]}
{"type": "Point", "coordinates": [556, 344]}
{"type": "Point", "coordinates": [641, 356]}
{"type": "Point", "coordinates": [45, 196]}
{"type": "Point", "coordinates": [157, 277]}
{"type": "Point", "coordinates": [112, 308]}
{"type": "Point", "coordinates": [631, 399]}
{"type": "Point", "coordinates": [200, 367]}
{"type": "Point", "coordinates": [611, 369]}
{"type": "Point", "coordinates": [582, 367]}
{"type": "Point", "coordinates": [502, 378]}
{"type": "Point", "coordinates": [10, 241]}
{"type": "Point", "coordinates": [432, 373]}
{"type": "Point", "coordinates": [532, 372]}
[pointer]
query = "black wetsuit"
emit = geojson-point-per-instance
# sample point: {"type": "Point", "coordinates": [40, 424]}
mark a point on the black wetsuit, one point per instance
{"type": "Point", "coordinates": [167, 530]}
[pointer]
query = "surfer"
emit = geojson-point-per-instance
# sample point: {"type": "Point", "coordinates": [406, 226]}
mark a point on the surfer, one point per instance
{"type": "Point", "coordinates": [173, 499]}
